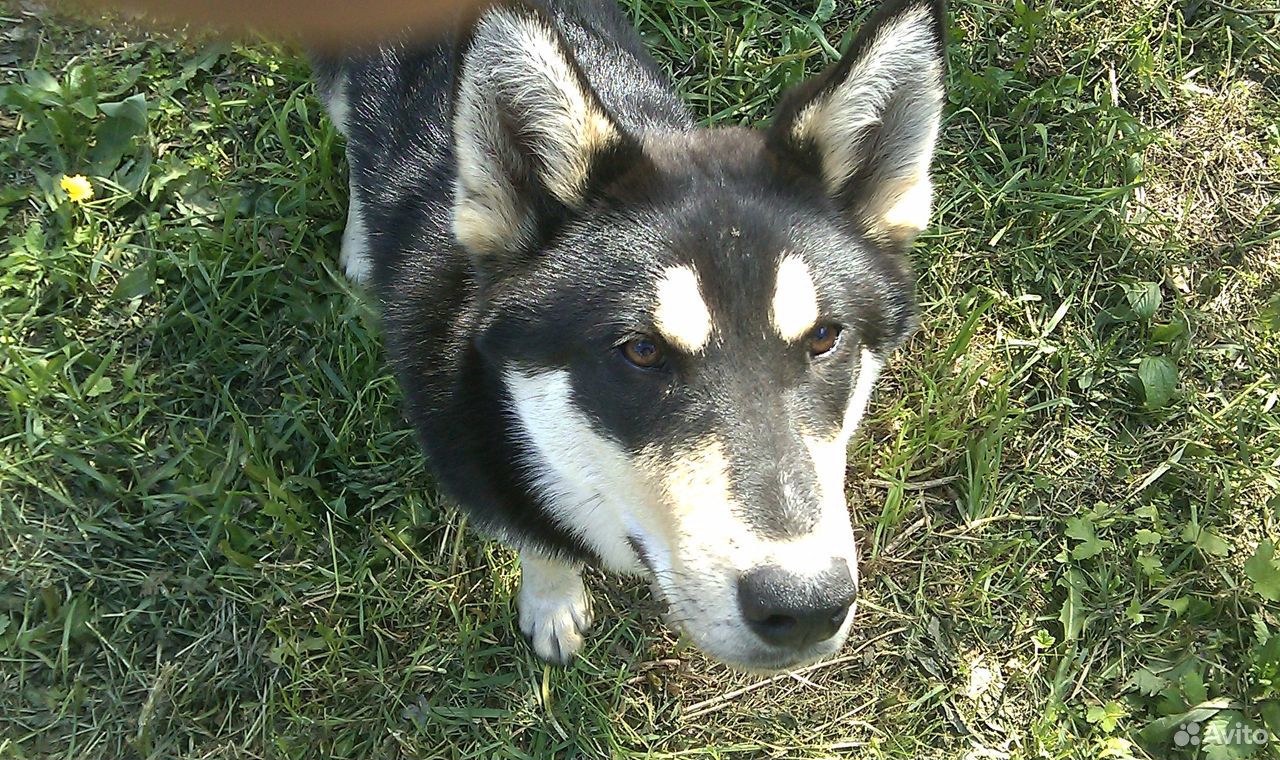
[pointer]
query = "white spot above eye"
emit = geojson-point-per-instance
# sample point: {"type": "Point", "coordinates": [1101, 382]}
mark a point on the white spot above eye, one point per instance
{"type": "Point", "coordinates": [681, 314]}
{"type": "Point", "coordinates": [795, 302]}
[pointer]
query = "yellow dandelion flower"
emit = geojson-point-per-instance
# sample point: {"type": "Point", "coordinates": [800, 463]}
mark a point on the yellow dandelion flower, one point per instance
{"type": "Point", "coordinates": [77, 188]}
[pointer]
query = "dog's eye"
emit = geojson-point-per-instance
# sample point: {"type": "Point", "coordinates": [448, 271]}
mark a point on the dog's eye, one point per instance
{"type": "Point", "coordinates": [642, 351]}
{"type": "Point", "coordinates": [822, 339]}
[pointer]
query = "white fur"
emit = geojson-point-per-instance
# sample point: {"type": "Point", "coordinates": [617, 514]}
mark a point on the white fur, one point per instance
{"type": "Point", "coordinates": [895, 92]}
{"type": "Point", "coordinates": [910, 211]}
{"type": "Point", "coordinates": [580, 474]}
{"type": "Point", "coordinates": [795, 302]}
{"type": "Point", "coordinates": [868, 373]}
{"type": "Point", "coordinates": [681, 314]}
{"type": "Point", "coordinates": [555, 608]}
{"type": "Point", "coordinates": [680, 507]}
{"type": "Point", "coordinates": [830, 455]}
{"type": "Point", "coordinates": [338, 107]}
{"type": "Point", "coordinates": [697, 492]}
{"type": "Point", "coordinates": [355, 258]}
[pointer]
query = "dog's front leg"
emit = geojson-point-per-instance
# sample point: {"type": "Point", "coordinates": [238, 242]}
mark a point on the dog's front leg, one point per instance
{"type": "Point", "coordinates": [555, 609]}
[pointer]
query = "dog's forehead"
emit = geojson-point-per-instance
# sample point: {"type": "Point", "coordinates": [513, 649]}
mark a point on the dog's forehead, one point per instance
{"type": "Point", "coordinates": [733, 269]}
{"type": "Point", "coordinates": [736, 253]}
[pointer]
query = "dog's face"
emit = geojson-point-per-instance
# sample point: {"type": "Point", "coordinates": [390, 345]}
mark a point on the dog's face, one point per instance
{"type": "Point", "coordinates": [689, 324]}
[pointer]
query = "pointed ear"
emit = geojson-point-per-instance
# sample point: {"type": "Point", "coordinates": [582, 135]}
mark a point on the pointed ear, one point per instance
{"type": "Point", "coordinates": [867, 125]}
{"type": "Point", "coordinates": [531, 136]}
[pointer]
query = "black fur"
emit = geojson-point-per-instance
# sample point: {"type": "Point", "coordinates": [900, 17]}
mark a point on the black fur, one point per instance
{"type": "Point", "coordinates": [729, 202]}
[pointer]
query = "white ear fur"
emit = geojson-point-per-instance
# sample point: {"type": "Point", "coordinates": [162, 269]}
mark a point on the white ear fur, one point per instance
{"type": "Point", "coordinates": [523, 113]}
{"type": "Point", "coordinates": [874, 130]}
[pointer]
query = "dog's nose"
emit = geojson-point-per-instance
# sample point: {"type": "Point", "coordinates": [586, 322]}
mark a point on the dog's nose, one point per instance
{"type": "Point", "coordinates": [790, 610]}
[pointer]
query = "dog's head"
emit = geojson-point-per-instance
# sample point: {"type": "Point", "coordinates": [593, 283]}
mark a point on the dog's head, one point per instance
{"type": "Point", "coordinates": [689, 323]}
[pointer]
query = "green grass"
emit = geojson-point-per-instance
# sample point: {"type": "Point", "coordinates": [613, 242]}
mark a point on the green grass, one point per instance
{"type": "Point", "coordinates": [217, 537]}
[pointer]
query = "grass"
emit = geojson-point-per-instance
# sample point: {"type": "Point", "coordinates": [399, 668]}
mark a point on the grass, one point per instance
{"type": "Point", "coordinates": [217, 537]}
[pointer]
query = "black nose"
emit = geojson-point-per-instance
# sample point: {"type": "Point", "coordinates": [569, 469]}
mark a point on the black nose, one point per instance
{"type": "Point", "coordinates": [794, 611]}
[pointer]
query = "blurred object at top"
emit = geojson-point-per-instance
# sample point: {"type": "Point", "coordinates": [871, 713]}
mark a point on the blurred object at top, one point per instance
{"type": "Point", "coordinates": [317, 23]}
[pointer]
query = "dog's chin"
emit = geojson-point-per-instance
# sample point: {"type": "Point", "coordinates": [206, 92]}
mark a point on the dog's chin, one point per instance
{"type": "Point", "coordinates": [770, 667]}
{"type": "Point", "coordinates": [759, 658]}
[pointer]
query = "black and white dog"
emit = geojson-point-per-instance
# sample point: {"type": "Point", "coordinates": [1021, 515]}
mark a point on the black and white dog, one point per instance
{"type": "Point", "coordinates": [630, 341]}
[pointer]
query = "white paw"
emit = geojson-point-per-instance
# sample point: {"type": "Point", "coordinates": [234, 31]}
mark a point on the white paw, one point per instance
{"type": "Point", "coordinates": [355, 254]}
{"type": "Point", "coordinates": [555, 609]}
{"type": "Point", "coordinates": [355, 259]}
{"type": "Point", "coordinates": [357, 267]}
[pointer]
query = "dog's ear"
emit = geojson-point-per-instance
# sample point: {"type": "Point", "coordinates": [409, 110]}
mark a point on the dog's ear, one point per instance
{"type": "Point", "coordinates": [531, 136]}
{"type": "Point", "coordinates": [868, 124]}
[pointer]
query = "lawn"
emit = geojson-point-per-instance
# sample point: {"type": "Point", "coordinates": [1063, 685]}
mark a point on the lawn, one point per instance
{"type": "Point", "coordinates": [218, 539]}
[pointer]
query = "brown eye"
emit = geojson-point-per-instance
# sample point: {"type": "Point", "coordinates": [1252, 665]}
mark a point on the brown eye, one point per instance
{"type": "Point", "coordinates": [642, 351]}
{"type": "Point", "coordinates": [822, 339]}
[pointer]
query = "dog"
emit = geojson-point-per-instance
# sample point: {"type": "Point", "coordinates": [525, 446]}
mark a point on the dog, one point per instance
{"type": "Point", "coordinates": [629, 341]}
